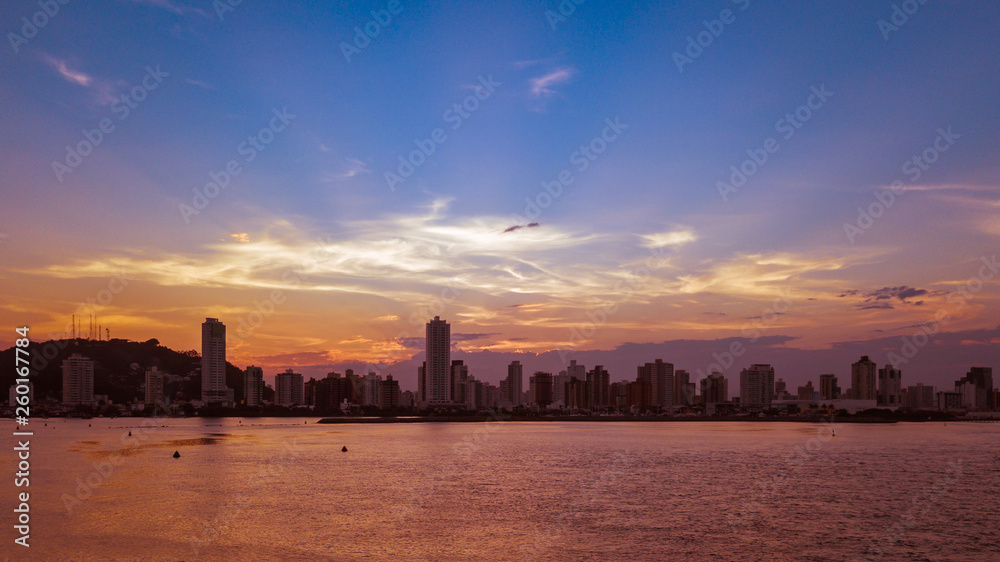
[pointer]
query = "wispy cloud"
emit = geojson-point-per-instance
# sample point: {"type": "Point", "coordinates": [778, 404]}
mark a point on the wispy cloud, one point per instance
{"type": "Point", "coordinates": [69, 74]}
{"type": "Point", "coordinates": [200, 84]}
{"type": "Point", "coordinates": [543, 86]}
{"type": "Point", "coordinates": [171, 7]}
{"type": "Point", "coordinates": [671, 238]}
{"type": "Point", "coordinates": [353, 168]}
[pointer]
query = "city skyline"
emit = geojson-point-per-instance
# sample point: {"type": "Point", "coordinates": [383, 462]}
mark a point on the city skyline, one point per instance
{"type": "Point", "coordinates": [867, 219]}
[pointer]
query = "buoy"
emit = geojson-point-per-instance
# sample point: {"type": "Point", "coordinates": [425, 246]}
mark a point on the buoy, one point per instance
{"type": "Point", "coordinates": [177, 455]}
{"type": "Point", "coordinates": [344, 450]}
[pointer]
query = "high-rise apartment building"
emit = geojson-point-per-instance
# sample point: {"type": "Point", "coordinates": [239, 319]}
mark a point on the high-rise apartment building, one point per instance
{"type": "Point", "coordinates": [213, 361]}
{"type": "Point", "coordinates": [437, 370]}
{"type": "Point", "coordinates": [660, 376]}
{"type": "Point", "coordinates": [514, 383]}
{"type": "Point", "coordinates": [890, 389]}
{"type": "Point", "coordinates": [863, 376]}
{"type": "Point", "coordinates": [681, 381]}
{"type": "Point", "coordinates": [154, 387]}
{"type": "Point", "coordinates": [828, 389]}
{"type": "Point", "coordinates": [541, 389]}
{"type": "Point", "coordinates": [756, 387]}
{"type": "Point", "coordinates": [977, 386]}
{"type": "Point", "coordinates": [289, 389]}
{"type": "Point", "coordinates": [714, 389]}
{"type": "Point", "coordinates": [599, 381]}
{"type": "Point", "coordinates": [253, 386]}
{"type": "Point", "coordinates": [78, 381]}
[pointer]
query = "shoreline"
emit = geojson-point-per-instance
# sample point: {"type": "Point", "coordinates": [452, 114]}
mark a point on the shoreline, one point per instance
{"type": "Point", "coordinates": [612, 419]}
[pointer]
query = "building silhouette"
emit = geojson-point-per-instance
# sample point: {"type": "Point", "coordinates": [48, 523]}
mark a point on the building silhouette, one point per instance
{"type": "Point", "coordinates": [436, 376]}
{"type": "Point", "coordinates": [890, 389]}
{"type": "Point", "coordinates": [977, 388]}
{"type": "Point", "coordinates": [78, 381]}
{"type": "Point", "coordinates": [253, 386]}
{"type": "Point", "coordinates": [863, 377]}
{"type": "Point", "coordinates": [154, 387]}
{"type": "Point", "coordinates": [540, 388]}
{"type": "Point", "coordinates": [213, 362]}
{"type": "Point", "coordinates": [828, 389]}
{"type": "Point", "coordinates": [289, 389]}
{"type": "Point", "coordinates": [513, 387]}
{"type": "Point", "coordinates": [714, 389]}
{"type": "Point", "coordinates": [389, 395]}
{"type": "Point", "coordinates": [599, 381]}
{"type": "Point", "coordinates": [756, 387]}
{"type": "Point", "coordinates": [660, 376]}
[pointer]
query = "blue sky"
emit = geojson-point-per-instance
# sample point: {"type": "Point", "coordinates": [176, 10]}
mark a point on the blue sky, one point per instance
{"type": "Point", "coordinates": [389, 253]}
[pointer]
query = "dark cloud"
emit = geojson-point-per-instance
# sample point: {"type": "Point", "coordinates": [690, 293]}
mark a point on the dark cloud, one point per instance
{"type": "Point", "coordinates": [519, 226]}
{"type": "Point", "coordinates": [848, 293]}
{"type": "Point", "coordinates": [874, 305]}
{"type": "Point", "coordinates": [469, 337]}
{"type": "Point", "coordinates": [902, 293]}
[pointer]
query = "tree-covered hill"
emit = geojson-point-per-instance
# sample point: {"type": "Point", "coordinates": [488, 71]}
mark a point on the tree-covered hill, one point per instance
{"type": "Point", "coordinates": [119, 368]}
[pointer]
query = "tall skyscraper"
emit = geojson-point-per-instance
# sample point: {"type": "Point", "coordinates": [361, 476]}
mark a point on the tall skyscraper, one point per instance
{"type": "Point", "coordinates": [253, 386]}
{"type": "Point", "coordinates": [574, 370]}
{"type": "Point", "coordinates": [289, 389]}
{"type": "Point", "coordinates": [756, 387]}
{"type": "Point", "coordinates": [828, 389]}
{"type": "Point", "coordinates": [559, 383]}
{"type": "Point", "coordinates": [438, 366]}
{"type": "Point", "coordinates": [660, 376]}
{"type": "Point", "coordinates": [459, 374]}
{"type": "Point", "coordinates": [78, 381]}
{"type": "Point", "coordinates": [599, 381]}
{"type": "Point", "coordinates": [213, 361]}
{"type": "Point", "coordinates": [389, 397]}
{"type": "Point", "coordinates": [863, 377]}
{"type": "Point", "coordinates": [714, 389]}
{"type": "Point", "coordinates": [372, 391]}
{"type": "Point", "coordinates": [515, 383]}
{"type": "Point", "coordinates": [154, 387]}
{"type": "Point", "coordinates": [541, 389]}
{"type": "Point", "coordinates": [890, 389]}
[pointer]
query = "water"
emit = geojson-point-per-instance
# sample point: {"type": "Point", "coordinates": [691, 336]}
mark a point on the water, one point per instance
{"type": "Point", "coordinates": [280, 489]}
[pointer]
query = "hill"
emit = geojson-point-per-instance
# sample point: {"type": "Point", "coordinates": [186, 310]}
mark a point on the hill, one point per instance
{"type": "Point", "coordinates": [119, 368]}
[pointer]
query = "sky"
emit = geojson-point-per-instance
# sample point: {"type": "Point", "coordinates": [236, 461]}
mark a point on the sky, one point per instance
{"type": "Point", "coordinates": [609, 181]}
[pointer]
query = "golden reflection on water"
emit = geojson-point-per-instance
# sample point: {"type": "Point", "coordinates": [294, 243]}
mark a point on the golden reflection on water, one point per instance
{"type": "Point", "coordinates": [280, 489]}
